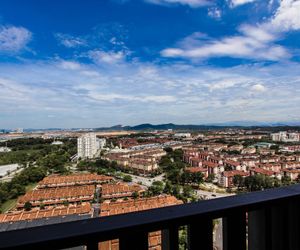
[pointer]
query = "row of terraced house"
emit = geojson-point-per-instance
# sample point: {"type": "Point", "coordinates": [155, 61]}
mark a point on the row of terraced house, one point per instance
{"type": "Point", "coordinates": [225, 166]}
{"type": "Point", "coordinates": [80, 196]}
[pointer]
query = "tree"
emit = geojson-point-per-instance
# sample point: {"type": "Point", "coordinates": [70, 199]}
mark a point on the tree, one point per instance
{"type": "Point", "coordinates": [127, 178]}
{"type": "Point", "coordinates": [66, 203]}
{"type": "Point", "coordinates": [198, 178]}
{"type": "Point", "coordinates": [274, 147]}
{"type": "Point", "coordinates": [168, 187]}
{"type": "Point", "coordinates": [238, 181]}
{"type": "Point", "coordinates": [174, 176]}
{"type": "Point", "coordinates": [176, 190]}
{"type": "Point", "coordinates": [135, 195]}
{"type": "Point", "coordinates": [168, 150]}
{"type": "Point", "coordinates": [187, 191]}
{"type": "Point", "coordinates": [186, 177]}
{"type": "Point", "coordinates": [298, 178]}
{"type": "Point", "coordinates": [210, 177]}
{"type": "Point", "coordinates": [156, 188]}
{"type": "Point", "coordinates": [259, 182]}
{"type": "Point", "coordinates": [27, 206]}
{"type": "Point", "coordinates": [286, 180]}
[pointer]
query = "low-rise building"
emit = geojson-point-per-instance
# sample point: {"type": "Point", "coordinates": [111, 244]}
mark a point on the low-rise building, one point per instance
{"type": "Point", "coordinates": [57, 196]}
{"type": "Point", "coordinates": [53, 181]}
{"type": "Point", "coordinates": [119, 190]}
{"type": "Point", "coordinates": [60, 211]}
{"type": "Point", "coordinates": [226, 177]}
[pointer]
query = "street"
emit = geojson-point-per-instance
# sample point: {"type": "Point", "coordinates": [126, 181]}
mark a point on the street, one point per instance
{"type": "Point", "coordinates": [211, 195]}
{"type": "Point", "coordinates": [146, 181]}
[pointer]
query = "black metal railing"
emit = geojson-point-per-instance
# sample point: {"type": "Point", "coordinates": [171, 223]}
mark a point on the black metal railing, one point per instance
{"type": "Point", "coordinates": [256, 221]}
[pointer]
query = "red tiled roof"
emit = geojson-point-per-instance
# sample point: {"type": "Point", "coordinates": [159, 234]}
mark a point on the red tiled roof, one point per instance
{"type": "Point", "coordinates": [57, 193]}
{"type": "Point", "coordinates": [121, 207]}
{"type": "Point", "coordinates": [74, 179]}
{"type": "Point", "coordinates": [234, 172]}
{"type": "Point", "coordinates": [195, 169]}
{"type": "Point", "coordinates": [119, 190]}
{"type": "Point", "coordinates": [263, 171]}
{"type": "Point", "coordinates": [210, 164]}
{"type": "Point", "coordinates": [233, 163]}
{"type": "Point", "coordinates": [44, 213]}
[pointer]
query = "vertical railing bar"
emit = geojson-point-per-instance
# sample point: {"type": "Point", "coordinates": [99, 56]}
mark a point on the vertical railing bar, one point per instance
{"type": "Point", "coordinates": [200, 234]}
{"type": "Point", "coordinates": [92, 246]}
{"type": "Point", "coordinates": [134, 241]}
{"type": "Point", "coordinates": [170, 238]}
{"type": "Point", "coordinates": [293, 224]}
{"type": "Point", "coordinates": [234, 231]}
{"type": "Point", "coordinates": [259, 236]}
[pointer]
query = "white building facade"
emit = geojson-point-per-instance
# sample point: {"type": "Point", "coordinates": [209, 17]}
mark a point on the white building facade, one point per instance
{"type": "Point", "coordinates": [285, 137]}
{"type": "Point", "coordinates": [87, 146]}
{"type": "Point", "coordinates": [101, 142]}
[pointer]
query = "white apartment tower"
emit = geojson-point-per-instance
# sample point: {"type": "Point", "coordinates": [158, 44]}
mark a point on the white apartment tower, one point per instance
{"type": "Point", "coordinates": [87, 145]}
{"type": "Point", "coordinates": [285, 136]}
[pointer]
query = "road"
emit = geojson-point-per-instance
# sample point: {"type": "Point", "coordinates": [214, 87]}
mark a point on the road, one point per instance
{"type": "Point", "coordinates": [146, 181]}
{"type": "Point", "coordinates": [211, 195]}
{"type": "Point", "coordinates": [9, 177]}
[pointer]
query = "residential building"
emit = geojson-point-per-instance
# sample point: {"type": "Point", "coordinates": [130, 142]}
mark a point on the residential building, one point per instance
{"type": "Point", "coordinates": [182, 135]}
{"type": "Point", "coordinates": [119, 190]}
{"type": "Point", "coordinates": [101, 142]}
{"type": "Point", "coordinates": [285, 136]}
{"type": "Point", "coordinates": [57, 196]}
{"type": "Point", "coordinates": [226, 178]}
{"type": "Point", "coordinates": [53, 181]}
{"type": "Point", "coordinates": [87, 146]}
{"type": "Point", "coordinates": [46, 213]}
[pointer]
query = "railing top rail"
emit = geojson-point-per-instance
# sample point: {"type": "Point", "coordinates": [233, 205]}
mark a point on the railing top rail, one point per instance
{"type": "Point", "coordinates": [110, 227]}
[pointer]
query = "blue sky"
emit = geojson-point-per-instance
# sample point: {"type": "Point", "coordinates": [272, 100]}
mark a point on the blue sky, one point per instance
{"type": "Point", "coordinates": [100, 63]}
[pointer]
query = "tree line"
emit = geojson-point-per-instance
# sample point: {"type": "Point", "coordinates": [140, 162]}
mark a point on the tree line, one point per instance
{"type": "Point", "coordinates": [259, 182]}
{"type": "Point", "coordinates": [17, 186]}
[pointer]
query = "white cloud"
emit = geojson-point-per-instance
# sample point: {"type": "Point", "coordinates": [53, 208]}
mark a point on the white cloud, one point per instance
{"type": "Point", "coordinates": [252, 43]}
{"type": "Point", "coordinates": [215, 13]}
{"type": "Point", "coordinates": [112, 97]}
{"type": "Point", "coordinates": [228, 82]}
{"type": "Point", "coordinates": [256, 42]}
{"type": "Point", "coordinates": [235, 3]}
{"type": "Point", "coordinates": [287, 16]}
{"type": "Point", "coordinates": [70, 65]}
{"type": "Point", "coordinates": [107, 57]}
{"type": "Point", "coordinates": [258, 88]}
{"type": "Point", "coordinates": [13, 39]}
{"type": "Point", "coordinates": [159, 98]}
{"type": "Point", "coordinates": [131, 93]}
{"type": "Point", "coordinates": [191, 3]}
{"type": "Point", "coordinates": [70, 41]}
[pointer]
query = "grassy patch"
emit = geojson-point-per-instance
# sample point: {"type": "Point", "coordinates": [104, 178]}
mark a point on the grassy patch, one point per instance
{"type": "Point", "coordinates": [30, 186]}
{"type": "Point", "coordinates": [10, 204]}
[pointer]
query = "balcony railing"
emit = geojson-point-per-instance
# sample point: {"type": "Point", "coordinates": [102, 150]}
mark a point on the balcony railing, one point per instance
{"type": "Point", "coordinates": [256, 221]}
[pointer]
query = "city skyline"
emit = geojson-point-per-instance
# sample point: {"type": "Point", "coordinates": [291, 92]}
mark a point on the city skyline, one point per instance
{"type": "Point", "coordinates": [130, 62]}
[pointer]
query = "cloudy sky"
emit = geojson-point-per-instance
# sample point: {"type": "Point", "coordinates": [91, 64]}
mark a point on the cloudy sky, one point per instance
{"type": "Point", "coordinates": [105, 62]}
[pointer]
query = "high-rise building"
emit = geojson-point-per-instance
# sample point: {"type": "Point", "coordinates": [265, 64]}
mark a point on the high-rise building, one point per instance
{"type": "Point", "coordinates": [87, 146]}
{"type": "Point", "coordinates": [101, 142]}
{"type": "Point", "coordinates": [19, 130]}
{"type": "Point", "coordinates": [285, 136]}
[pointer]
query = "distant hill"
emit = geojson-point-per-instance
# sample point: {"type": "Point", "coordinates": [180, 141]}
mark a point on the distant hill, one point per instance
{"type": "Point", "coordinates": [151, 127]}
{"type": "Point", "coordinates": [236, 125]}
{"type": "Point", "coordinates": [267, 126]}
